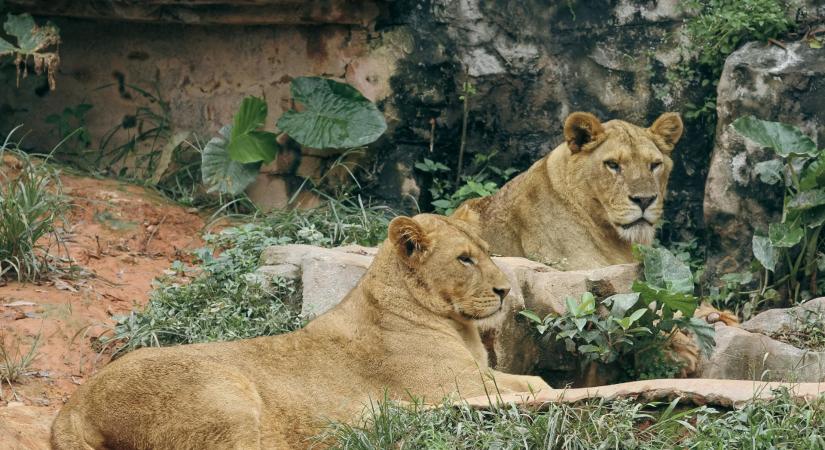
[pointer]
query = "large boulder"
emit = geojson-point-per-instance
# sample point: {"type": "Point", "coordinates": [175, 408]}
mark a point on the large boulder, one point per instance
{"type": "Point", "coordinates": [771, 83]}
{"type": "Point", "coordinates": [753, 353]}
{"type": "Point", "coordinates": [327, 275]}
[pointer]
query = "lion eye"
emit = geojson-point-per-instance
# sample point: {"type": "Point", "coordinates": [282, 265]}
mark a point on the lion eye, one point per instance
{"type": "Point", "coordinates": [613, 165]}
{"type": "Point", "coordinates": [466, 260]}
{"type": "Point", "coordinates": [655, 165]}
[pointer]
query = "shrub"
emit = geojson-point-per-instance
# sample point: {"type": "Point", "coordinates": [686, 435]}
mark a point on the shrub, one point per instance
{"type": "Point", "coordinates": [221, 302]}
{"type": "Point", "coordinates": [31, 206]}
{"type": "Point", "coordinates": [632, 330]}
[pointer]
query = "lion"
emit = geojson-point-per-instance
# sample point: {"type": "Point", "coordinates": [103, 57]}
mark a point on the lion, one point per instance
{"type": "Point", "coordinates": [588, 201]}
{"type": "Point", "coordinates": [409, 328]}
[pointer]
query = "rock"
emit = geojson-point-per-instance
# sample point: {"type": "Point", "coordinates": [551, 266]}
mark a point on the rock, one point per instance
{"type": "Point", "coordinates": [327, 275]}
{"type": "Point", "coordinates": [773, 321]}
{"type": "Point", "coordinates": [749, 353]}
{"type": "Point", "coordinates": [770, 83]}
{"type": "Point", "coordinates": [743, 355]}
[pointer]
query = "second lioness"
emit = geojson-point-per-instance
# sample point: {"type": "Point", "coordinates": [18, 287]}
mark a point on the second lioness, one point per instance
{"type": "Point", "coordinates": [408, 329]}
{"type": "Point", "coordinates": [583, 205]}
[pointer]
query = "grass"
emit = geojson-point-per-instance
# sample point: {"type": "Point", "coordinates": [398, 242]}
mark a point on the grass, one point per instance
{"type": "Point", "coordinates": [218, 300]}
{"type": "Point", "coordinates": [808, 332]}
{"type": "Point", "coordinates": [31, 206]}
{"type": "Point", "coordinates": [621, 424]}
{"type": "Point", "coordinates": [15, 364]}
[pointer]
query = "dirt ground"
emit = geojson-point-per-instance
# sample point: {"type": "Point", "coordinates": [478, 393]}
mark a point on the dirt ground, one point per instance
{"type": "Point", "coordinates": [122, 236]}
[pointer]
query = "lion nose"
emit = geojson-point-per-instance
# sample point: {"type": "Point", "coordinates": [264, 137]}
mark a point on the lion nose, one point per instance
{"type": "Point", "coordinates": [643, 202]}
{"type": "Point", "coordinates": [501, 292]}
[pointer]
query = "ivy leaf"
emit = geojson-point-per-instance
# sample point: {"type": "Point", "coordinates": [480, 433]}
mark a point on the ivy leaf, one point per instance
{"type": "Point", "coordinates": [219, 172]}
{"type": "Point", "coordinates": [246, 143]}
{"type": "Point", "coordinates": [770, 172]}
{"type": "Point", "coordinates": [784, 139]}
{"type": "Point", "coordinates": [764, 252]}
{"type": "Point", "coordinates": [663, 269]}
{"type": "Point", "coordinates": [784, 235]}
{"type": "Point", "coordinates": [686, 303]}
{"type": "Point", "coordinates": [335, 115]}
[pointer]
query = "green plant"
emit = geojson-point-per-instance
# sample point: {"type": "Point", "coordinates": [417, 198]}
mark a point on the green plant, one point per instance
{"type": "Point", "coordinates": [468, 89]}
{"type": "Point", "coordinates": [791, 250]}
{"type": "Point", "coordinates": [334, 115]}
{"type": "Point", "coordinates": [15, 364]}
{"type": "Point", "coordinates": [32, 42]}
{"type": "Point", "coordinates": [31, 206]}
{"type": "Point", "coordinates": [632, 329]}
{"type": "Point", "coordinates": [714, 29]}
{"type": "Point", "coordinates": [781, 423]}
{"type": "Point", "coordinates": [222, 299]}
{"type": "Point", "coordinates": [484, 179]}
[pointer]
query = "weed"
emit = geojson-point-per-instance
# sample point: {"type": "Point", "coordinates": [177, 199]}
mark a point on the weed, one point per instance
{"type": "Point", "coordinates": [222, 301]}
{"type": "Point", "coordinates": [778, 423]}
{"type": "Point", "coordinates": [31, 206]}
{"type": "Point", "coordinates": [790, 252]}
{"type": "Point", "coordinates": [808, 331]}
{"type": "Point", "coordinates": [632, 330]}
{"type": "Point", "coordinates": [715, 29]}
{"type": "Point", "coordinates": [484, 179]}
{"type": "Point", "coordinates": [15, 364]}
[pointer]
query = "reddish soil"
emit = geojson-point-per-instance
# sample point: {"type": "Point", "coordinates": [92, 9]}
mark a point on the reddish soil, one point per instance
{"type": "Point", "coordinates": [123, 236]}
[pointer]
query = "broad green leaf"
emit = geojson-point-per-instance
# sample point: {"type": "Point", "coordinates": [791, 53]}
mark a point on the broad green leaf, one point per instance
{"type": "Point", "coordinates": [813, 175]}
{"type": "Point", "coordinates": [246, 143]}
{"type": "Point", "coordinates": [637, 315]}
{"type": "Point", "coordinates": [254, 146]}
{"type": "Point", "coordinates": [588, 348]}
{"type": "Point", "coordinates": [335, 115]}
{"type": "Point", "coordinates": [814, 217]}
{"type": "Point", "coordinates": [663, 269]}
{"type": "Point", "coordinates": [31, 38]}
{"type": "Point", "coordinates": [769, 172]}
{"type": "Point", "coordinates": [703, 333]}
{"type": "Point", "coordinates": [764, 252]}
{"type": "Point", "coordinates": [784, 235]}
{"type": "Point", "coordinates": [807, 199]}
{"type": "Point", "coordinates": [686, 303]}
{"type": "Point", "coordinates": [620, 303]}
{"type": "Point", "coordinates": [580, 323]}
{"type": "Point", "coordinates": [785, 140]}
{"type": "Point", "coordinates": [531, 315]}
{"type": "Point", "coordinates": [219, 172]}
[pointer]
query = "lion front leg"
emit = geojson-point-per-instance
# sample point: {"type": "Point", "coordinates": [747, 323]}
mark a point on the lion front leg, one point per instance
{"type": "Point", "coordinates": [507, 383]}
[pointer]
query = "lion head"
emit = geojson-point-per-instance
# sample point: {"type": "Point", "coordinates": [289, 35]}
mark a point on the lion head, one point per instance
{"type": "Point", "coordinates": [625, 168]}
{"type": "Point", "coordinates": [448, 268]}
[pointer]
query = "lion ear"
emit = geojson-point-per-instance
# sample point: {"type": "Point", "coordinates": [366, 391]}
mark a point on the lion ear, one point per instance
{"type": "Point", "coordinates": [408, 237]}
{"type": "Point", "coordinates": [581, 128]}
{"type": "Point", "coordinates": [669, 128]}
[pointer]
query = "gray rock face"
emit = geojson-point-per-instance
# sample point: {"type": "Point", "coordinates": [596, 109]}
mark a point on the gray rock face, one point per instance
{"type": "Point", "coordinates": [327, 275]}
{"type": "Point", "coordinates": [748, 353]}
{"type": "Point", "coordinates": [771, 83]}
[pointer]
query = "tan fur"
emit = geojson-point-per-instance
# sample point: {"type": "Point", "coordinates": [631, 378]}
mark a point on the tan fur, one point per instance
{"type": "Point", "coordinates": [407, 328]}
{"type": "Point", "coordinates": [570, 209]}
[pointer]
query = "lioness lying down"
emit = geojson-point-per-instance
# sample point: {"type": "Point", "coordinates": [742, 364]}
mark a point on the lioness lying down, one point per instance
{"type": "Point", "coordinates": [407, 328]}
